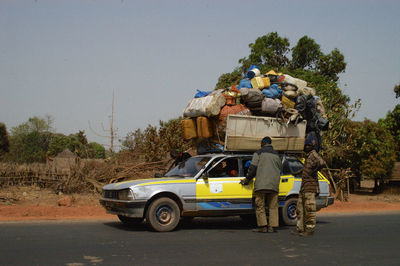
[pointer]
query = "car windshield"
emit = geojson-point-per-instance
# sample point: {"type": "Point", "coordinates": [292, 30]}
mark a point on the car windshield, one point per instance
{"type": "Point", "coordinates": [190, 167]}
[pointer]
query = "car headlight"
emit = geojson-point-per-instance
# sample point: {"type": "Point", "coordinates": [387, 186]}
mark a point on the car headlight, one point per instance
{"type": "Point", "coordinates": [125, 194]}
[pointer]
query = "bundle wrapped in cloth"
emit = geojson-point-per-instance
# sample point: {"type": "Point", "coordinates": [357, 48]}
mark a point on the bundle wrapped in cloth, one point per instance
{"type": "Point", "coordinates": [209, 105]}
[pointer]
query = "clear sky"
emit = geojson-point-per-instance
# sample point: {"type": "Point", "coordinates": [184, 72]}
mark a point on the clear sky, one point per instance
{"type": "Point", "coordinates": [65, 58]}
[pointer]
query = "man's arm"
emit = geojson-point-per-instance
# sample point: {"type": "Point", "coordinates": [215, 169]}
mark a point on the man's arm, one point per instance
{"type": "Point", "coordinates": [251, 173]}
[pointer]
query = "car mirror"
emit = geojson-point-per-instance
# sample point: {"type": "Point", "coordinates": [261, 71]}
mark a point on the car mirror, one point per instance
{"type": "Point", "coordinates": [157, 175]}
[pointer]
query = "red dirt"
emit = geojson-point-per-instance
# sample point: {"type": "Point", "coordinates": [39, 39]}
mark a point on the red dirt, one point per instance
{"type": "Point", "coordinates": [32, 203]}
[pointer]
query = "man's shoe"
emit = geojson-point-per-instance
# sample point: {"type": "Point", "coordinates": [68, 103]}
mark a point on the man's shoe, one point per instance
{"type": "Point", "coordinates": [307, 233]}
{"type": "Point", "coordinates": [295, 232]}
{"type": "Point", "coordinates": [260, 230]}
{"type": "Point", "coordinates": [271, 229]}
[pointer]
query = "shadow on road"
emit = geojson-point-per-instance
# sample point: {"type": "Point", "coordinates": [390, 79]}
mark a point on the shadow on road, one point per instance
{"type": "Point", "coordinates": [200, 223]}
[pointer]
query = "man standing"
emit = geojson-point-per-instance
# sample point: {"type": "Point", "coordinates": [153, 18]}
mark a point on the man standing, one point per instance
{"type": "Point", "coordinates": [306, 205]}
{"type": "Point", "coordinates": [266, 167]}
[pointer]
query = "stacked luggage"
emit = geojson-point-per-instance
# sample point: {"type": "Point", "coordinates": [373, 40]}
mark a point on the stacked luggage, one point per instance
{"type": "Point", "coordinates": [262, 104]}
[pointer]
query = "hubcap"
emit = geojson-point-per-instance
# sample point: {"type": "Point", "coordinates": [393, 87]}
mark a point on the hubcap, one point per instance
{"type": "Point", "coordinates": [291, 211]}
{"type": "Point", "coordinates": [164, 215]}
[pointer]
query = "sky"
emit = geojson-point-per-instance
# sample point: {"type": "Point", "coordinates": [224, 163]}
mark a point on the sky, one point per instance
{"type": "Point", "coordinates": [66, 58]}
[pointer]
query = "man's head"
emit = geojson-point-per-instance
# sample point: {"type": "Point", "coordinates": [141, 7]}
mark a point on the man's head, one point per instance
{"type": "Point", "coordinates": [310, 143]}
{"type": "Point", "coordinates": [174, 153]}
{"type": "Point", "coordinates": [266, 141]}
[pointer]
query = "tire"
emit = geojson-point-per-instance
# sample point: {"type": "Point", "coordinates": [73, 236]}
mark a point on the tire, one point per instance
{"type": "Point", "coordinates": [288, 212]}
{"type": "Point", "coordinates": [163, 215]}
{"type": "Point", "coordinates": [129, 220]}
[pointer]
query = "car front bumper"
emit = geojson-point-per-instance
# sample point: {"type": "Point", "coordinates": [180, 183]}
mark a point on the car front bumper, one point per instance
{"type": "Point", "coordinates": [133, 209]}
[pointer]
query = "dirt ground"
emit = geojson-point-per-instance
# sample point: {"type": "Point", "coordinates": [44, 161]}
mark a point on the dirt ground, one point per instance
{"type": "Point", "coordinates": [34, 203]}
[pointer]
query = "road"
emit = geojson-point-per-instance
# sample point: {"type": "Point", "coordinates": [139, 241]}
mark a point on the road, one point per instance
{"type": "Point", "coordinates": [343, 240]}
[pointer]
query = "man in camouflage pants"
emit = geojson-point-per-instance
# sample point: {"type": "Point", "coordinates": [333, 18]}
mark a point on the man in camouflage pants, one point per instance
{"type": "Point", "coordinates": [265, 167]}
{"type": "Point", "coordinates": [306, 205]}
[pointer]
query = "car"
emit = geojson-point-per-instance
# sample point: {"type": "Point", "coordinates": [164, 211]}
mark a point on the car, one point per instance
{"type": "Point", "coordinates": [204, 185]}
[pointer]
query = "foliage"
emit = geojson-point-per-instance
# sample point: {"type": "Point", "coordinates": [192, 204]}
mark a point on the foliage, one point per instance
{"type": "Point", "coordinates": [154, 143]}
{"type": "Point", "coordinates": [34, 141]}
{"type": "Point", "coordinates": [58, 143]}
{"type": "Point", "coordinates": [332, 64]}
{"type": "Point", "coordinates": [227, 79]}
{"type": "Point", "coordinates": [392, 123]}
{"type": "Point", "coordinates": [360, 146]}
{"type": "Point", "coordinates": [34, 124]}
{"type": "Point", "coordinates": [368, 150]}
{"type": "Point", "coordinates": [28, 148]}
{"type": "Point", "coordinates": [77, 143]}
{"type": "Point", "coordinates": [306, 54]}
{"type": "Point", "coordinates": [4, 140]}
{"type": "Point", "coordinates": [97, 151]}
{"type": "Point", "coordinates": [397, 90]}
{"type": "Point", "coordinates": [271, 50]}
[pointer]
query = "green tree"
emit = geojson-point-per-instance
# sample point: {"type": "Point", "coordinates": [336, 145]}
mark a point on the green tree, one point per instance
{"type": "Point", "coordinates": [29, 141]}
{"type": "Point", "coordinates": [306, 54]}
{"type": "Point", "coordinates": [58, 143]}
{"type": "Point", "coordinates": [369, 150]}
{"type": "Point", "coordinates": [154, 143]}
{"type": "Point", "coordinates": [97, 150]}
{"type": "Point", "coordinates": [397, 90]}
{"type": "Point", "coordinates": [392, 123]}
{"type": "Point", "coordinates": [4, 140]}
{"type": "Point", "coordinates": [332, 64]}
{"type": "Point", "coordinates": [269, 50]}
{"type": "Point", "coordinates": [34, 124]}
{"type": "Point", "coordinates": [228, 79]}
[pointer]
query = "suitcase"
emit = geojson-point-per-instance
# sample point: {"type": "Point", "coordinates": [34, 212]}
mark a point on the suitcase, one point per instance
{"type": "Point", "coordinates": [189, 130]}
{"type": "Point", "coordinates": [204, 127]}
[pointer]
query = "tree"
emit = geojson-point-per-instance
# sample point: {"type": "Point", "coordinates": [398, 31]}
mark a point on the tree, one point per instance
{"type": "Point", "coordinates": [29, 141]}
{"type": "Point", "coordinates": [58, 143]}
{"type": "Point", "coordinates": [154, 143]}
{"type": "Point", "coordinates": [397, 90]}
{"type": "Point", "coordinates": [269, 50]}
{"type": "Point", "coordinates": [4, 140]}
{"type": "Point", "coordinates": [34, 124]}
{"type": "Point", "coordinates": [332, 64]}
{"type": "Point", "coordinates": [306, 54]}
{"type": "Point", "coordinates": [392, 123]}
{"type": "Point", "coordinates": [97, 151]}
{"type": "Point", "coordinates": [228, 79]}
{"type": "Point", "coordinates": [371, 149]}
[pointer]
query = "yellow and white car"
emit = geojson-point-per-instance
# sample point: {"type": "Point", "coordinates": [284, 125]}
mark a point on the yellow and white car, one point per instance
{"type": "Point", "coordinates": [204, 185]}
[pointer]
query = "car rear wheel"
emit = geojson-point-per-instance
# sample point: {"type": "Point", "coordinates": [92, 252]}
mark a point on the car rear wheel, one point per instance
{"type": "Point", "coordinates": [288, 212]}
{"type": "Point", "coordinates": [163, 215]}
{"type": "Point", "coordinates": [129, 220]}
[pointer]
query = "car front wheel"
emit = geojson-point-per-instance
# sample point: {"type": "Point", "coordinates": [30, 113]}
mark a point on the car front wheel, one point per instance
{"type": "Point", "coordinates": [163, 215]}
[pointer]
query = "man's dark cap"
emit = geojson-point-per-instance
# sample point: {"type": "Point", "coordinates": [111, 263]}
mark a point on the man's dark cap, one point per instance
{"type": "Point", "coordinates": [265, 141]}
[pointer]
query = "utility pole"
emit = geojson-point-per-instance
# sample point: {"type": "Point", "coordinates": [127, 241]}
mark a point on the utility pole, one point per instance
{"type": "Point", "coordinates": [112, 125]}
{"type": "Point", "coordinates": [111, 130]}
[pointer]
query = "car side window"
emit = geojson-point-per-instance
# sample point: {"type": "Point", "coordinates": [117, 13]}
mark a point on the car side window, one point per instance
{"type": "Point", "coordinates": [286, 168]}
{"type": "Point", "coordinates": [226, 168]}
{"type": "Point", "coordinates": [295, 166]}
{"type": "Point", "coordinates": [246, 161]}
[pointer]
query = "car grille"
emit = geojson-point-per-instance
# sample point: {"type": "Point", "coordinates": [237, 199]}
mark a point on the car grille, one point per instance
{"type": "Point", "coordinates": [110, 194]}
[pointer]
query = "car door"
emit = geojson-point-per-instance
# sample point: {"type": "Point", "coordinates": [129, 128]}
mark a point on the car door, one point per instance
{"type": "Point", "coordinates": [218, 189]}
{"type": "Point", "coordinates": [290, 175]}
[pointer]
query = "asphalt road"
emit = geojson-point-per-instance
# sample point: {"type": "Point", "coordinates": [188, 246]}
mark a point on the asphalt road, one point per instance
{"type": "Point", "coordinates": [343, 240]}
